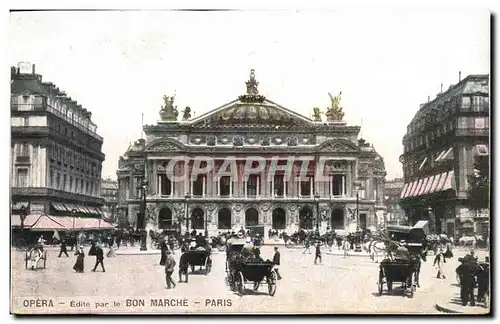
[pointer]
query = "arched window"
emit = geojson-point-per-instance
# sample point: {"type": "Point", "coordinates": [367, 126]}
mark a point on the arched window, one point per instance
{"type": "Point", "coordinates": [224, 219]}
{"type": "Point", "coordinates": [165, 218]}
{"type": "Point", "coordinates": [251, 217]}
{"type": "Point", "coordinates": [197, 219]}
{"type": "Point", "coordinates": [279, 219]}
{"type": "Point", "coordinates": [306, 218]}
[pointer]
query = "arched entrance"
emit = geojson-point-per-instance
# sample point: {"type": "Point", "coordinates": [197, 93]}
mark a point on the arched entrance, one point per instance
{"type": "Point", "coordinates": [251, 217]}
{"type": "Point", "coordinates": [165, 218]}
{"type": "Point", "coordinates": [279, 219]}
{"type": "Point", "coordinates": [306, 218]}
{"type": "Point", "coordinates": [337, 219]}
{"type": "Point", "coordinates": [224, 219]}
{"type": "Point", "coordinates": [197, 219]}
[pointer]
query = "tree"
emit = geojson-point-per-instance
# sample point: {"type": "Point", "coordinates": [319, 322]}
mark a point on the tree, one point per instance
{"type": "Point", "coordinates": [479, 183]}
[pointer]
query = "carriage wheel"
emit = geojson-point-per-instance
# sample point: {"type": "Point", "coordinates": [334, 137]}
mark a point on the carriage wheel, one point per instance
{"type": "Point", "coordinates": [289, 244]}
{"type": "Point", "coordinates": [26, 259]}
{"type": "Point", "coordinates": [271, 283]}
{"type": "Point", "coordinates": [208, 265]}
{"type": "Point", "coordinates": [240, 283]}
{"type": "Point", "coordinates": [221, 248]}
{"type": "Point", "coordinates": [380, 283]}
{"type": "Point", "coordinates": [256, 285]}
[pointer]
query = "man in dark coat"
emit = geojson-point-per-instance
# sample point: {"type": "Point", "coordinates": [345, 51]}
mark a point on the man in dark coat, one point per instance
{"type": "Point", "coordinates": [276, 261]}
{"type": "Point", "coordinates": [183, 266]}
{"type": "Point", "coordinates": [63, 249]}
{"type": "Point", "coordinates": [466, 271]}
{"type": "Point", "coordinates": [318, 253]}
{"type": "Point", "coordinates": [99, 258]}
{"type": "Point", "coordinates": [163, 248]}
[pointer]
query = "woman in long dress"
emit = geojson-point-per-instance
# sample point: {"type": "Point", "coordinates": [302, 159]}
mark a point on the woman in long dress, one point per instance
{"type": "Point", "coordinates": [78, 267]}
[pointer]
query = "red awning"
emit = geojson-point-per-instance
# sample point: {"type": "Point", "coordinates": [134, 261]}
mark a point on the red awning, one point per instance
{"type": "Point", "coordinates": [46, 223]}
{"type": "Point", "coordinates": [403, 192]}
{"type": "Point", "coordinates": [84, 223]}
{"type": "Point", "coordinates": [15, 220]}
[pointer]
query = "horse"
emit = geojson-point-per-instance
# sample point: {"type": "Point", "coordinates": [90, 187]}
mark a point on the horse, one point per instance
{"type": "Point", "coordinates": [465, 240]}
{"type": "Point", "coordinates": [374, 248]}
{"type": "Point", "coordinates": [34, 256]}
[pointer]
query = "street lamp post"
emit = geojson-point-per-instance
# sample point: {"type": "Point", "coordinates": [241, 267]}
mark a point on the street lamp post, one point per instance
{"type": "Point", "coordinates": [206, 225]}
{"type": "Point", "coordinates": [187, 197]}
{"type": "Point", "coordinates": [318, 218]}
{"type": "Point", "coordinates": [143, 186]}
{"type": "Point", "coordinates": [73, 214]}
{"type": "Point", "coordinates": [358, 188]}
{"type": "Point", "coordinates": [23, 215]}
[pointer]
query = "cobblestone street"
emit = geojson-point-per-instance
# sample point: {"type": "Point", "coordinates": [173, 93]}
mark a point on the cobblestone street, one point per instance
{"type": "Point", "coordinates": [337, 286]}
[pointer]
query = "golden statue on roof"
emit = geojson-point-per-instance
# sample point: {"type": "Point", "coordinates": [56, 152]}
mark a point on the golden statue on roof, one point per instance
{"type": "Point", "coordinates": [334, 112]}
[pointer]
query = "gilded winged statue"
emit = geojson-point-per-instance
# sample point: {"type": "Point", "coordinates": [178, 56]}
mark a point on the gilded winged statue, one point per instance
{"type": "Point", "coordinates": [334, 112]}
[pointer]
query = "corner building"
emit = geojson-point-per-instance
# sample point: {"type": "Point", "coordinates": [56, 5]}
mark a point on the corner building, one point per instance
{"type": "Point", "coordinates": [440, 145]}
{"type": "Point", "coordinates": [56, 153]}
{"type": "Point", "coordinates": [252, 126]}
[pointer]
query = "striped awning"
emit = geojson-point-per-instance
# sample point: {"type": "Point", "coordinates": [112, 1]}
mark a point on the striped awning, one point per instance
{"type": "Point", "coordinates": [20, 205]}
{"type": "Point", "coordinates": [424, 186]}
{"type": "Point", "coordinates": [59, 207]}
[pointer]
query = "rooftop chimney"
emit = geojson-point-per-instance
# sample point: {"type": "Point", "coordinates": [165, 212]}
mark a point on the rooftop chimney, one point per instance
{"type": "Point", "coordinates": [459, 76]}
{"type": "Point", "coordinates": [441, 88]}
{"type": "Point", "coordinates": [33, 69]}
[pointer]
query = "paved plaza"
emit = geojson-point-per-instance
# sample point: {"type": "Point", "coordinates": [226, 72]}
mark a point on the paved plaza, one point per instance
{"type": "Point", "coordinates": [337, 285]}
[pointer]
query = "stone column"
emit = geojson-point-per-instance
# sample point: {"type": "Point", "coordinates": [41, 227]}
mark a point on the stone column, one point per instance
{"type": "Point", "coordinates": [204, 185]}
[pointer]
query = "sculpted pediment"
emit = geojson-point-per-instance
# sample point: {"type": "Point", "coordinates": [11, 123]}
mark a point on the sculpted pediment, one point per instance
{"type": "Point", "coordinates": [165, 145]}
{"type": "Point", "coordinates": [338, 146]}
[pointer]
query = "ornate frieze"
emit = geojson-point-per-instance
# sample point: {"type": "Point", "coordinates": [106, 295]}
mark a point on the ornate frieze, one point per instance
{"type": "Point", "coordinates": [165, 147]}
{"type": "Point", "coordinates": [198, 140]}
{"type": "Point", "coordinates": [338, 147]}
{"type": "Point", "coordinates": [292, 141]}
{"type": "Point", "coordinates": [265, 141]}
{"type": "Point", "coordinates": [211, 140]}
{"type": "Point", "coordinates": [238, 141]}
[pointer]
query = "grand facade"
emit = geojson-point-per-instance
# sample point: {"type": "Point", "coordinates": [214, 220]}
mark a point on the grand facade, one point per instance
{"type": "Point", "coordinates": [439, 149]}
{"type": "Point", "coordinates": [56, 153]}
{"type": "Point", "coordinates": [351, 197]}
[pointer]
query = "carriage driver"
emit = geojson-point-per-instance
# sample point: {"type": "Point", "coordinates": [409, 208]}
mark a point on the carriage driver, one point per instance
{"type": "Point", "coordinates": [41, 242]}
{"type": "Point", "coordinates": [402, 252]}
{"type": "Point", "coordinates": [248, 249]}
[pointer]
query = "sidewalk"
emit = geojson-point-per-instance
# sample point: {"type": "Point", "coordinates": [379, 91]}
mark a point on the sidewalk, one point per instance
{"type": "Point", "coordinates": [454, 306]}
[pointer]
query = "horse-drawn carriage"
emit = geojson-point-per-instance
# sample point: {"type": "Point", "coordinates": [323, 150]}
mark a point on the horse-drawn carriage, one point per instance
{"type": "Point", "coordinates": [33, 255]}
{"type": "Point", "coordinates": [241, 271]}
{"type": "Point", "coordinates": [404, 269]}
{"type": "Point", "coordinates": [200, 258]}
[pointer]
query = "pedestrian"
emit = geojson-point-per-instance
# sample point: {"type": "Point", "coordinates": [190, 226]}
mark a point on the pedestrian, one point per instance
{"type": "Point", "coordinates": [63, 249]}
{"type": "Point", "coordinates": [169, 269]}
{"type": "Point", "coordinates": [183, 266]}
{"type": "Point", "coordinates": [438, 263]}
{"type": "Point", "coordinates": [306, 244]}
{"type": "Point", "coordinates": [99, 258]}
{"type": "Point", "coordinates": [345, 247]}
{"type": "Point", "coordinates": [79, 264]}
{"type": "Point", "coordinates": [163, 248]}
{"type": "Point", "coordinates": [318, 253]}
{"type": "Point", "coordinates": [467, 281]}
{"type": "Point", "coordinates": [276, 261]}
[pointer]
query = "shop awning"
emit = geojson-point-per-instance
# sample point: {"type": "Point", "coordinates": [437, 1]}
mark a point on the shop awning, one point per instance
{"type": "Point", "coordinates": [435, 183]}
{"type": "Point", "coordinates": [46, 223]}
{"type": "Point", "coordinates": [427, 188]}
{"type": "Point", "coordinates": [20, 205]}
{"type": "Point", "coordinates": [405, 187]}
{"type": "Point", "coordinates": [83, 223]}
{"type": "Point", "coordinates": [59, 207]}
{"type": "Point", "coordinates": [15, 220]}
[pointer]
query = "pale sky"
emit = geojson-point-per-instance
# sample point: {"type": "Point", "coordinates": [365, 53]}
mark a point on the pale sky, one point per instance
{"type": "Point", "coordinates": [118, 64]}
